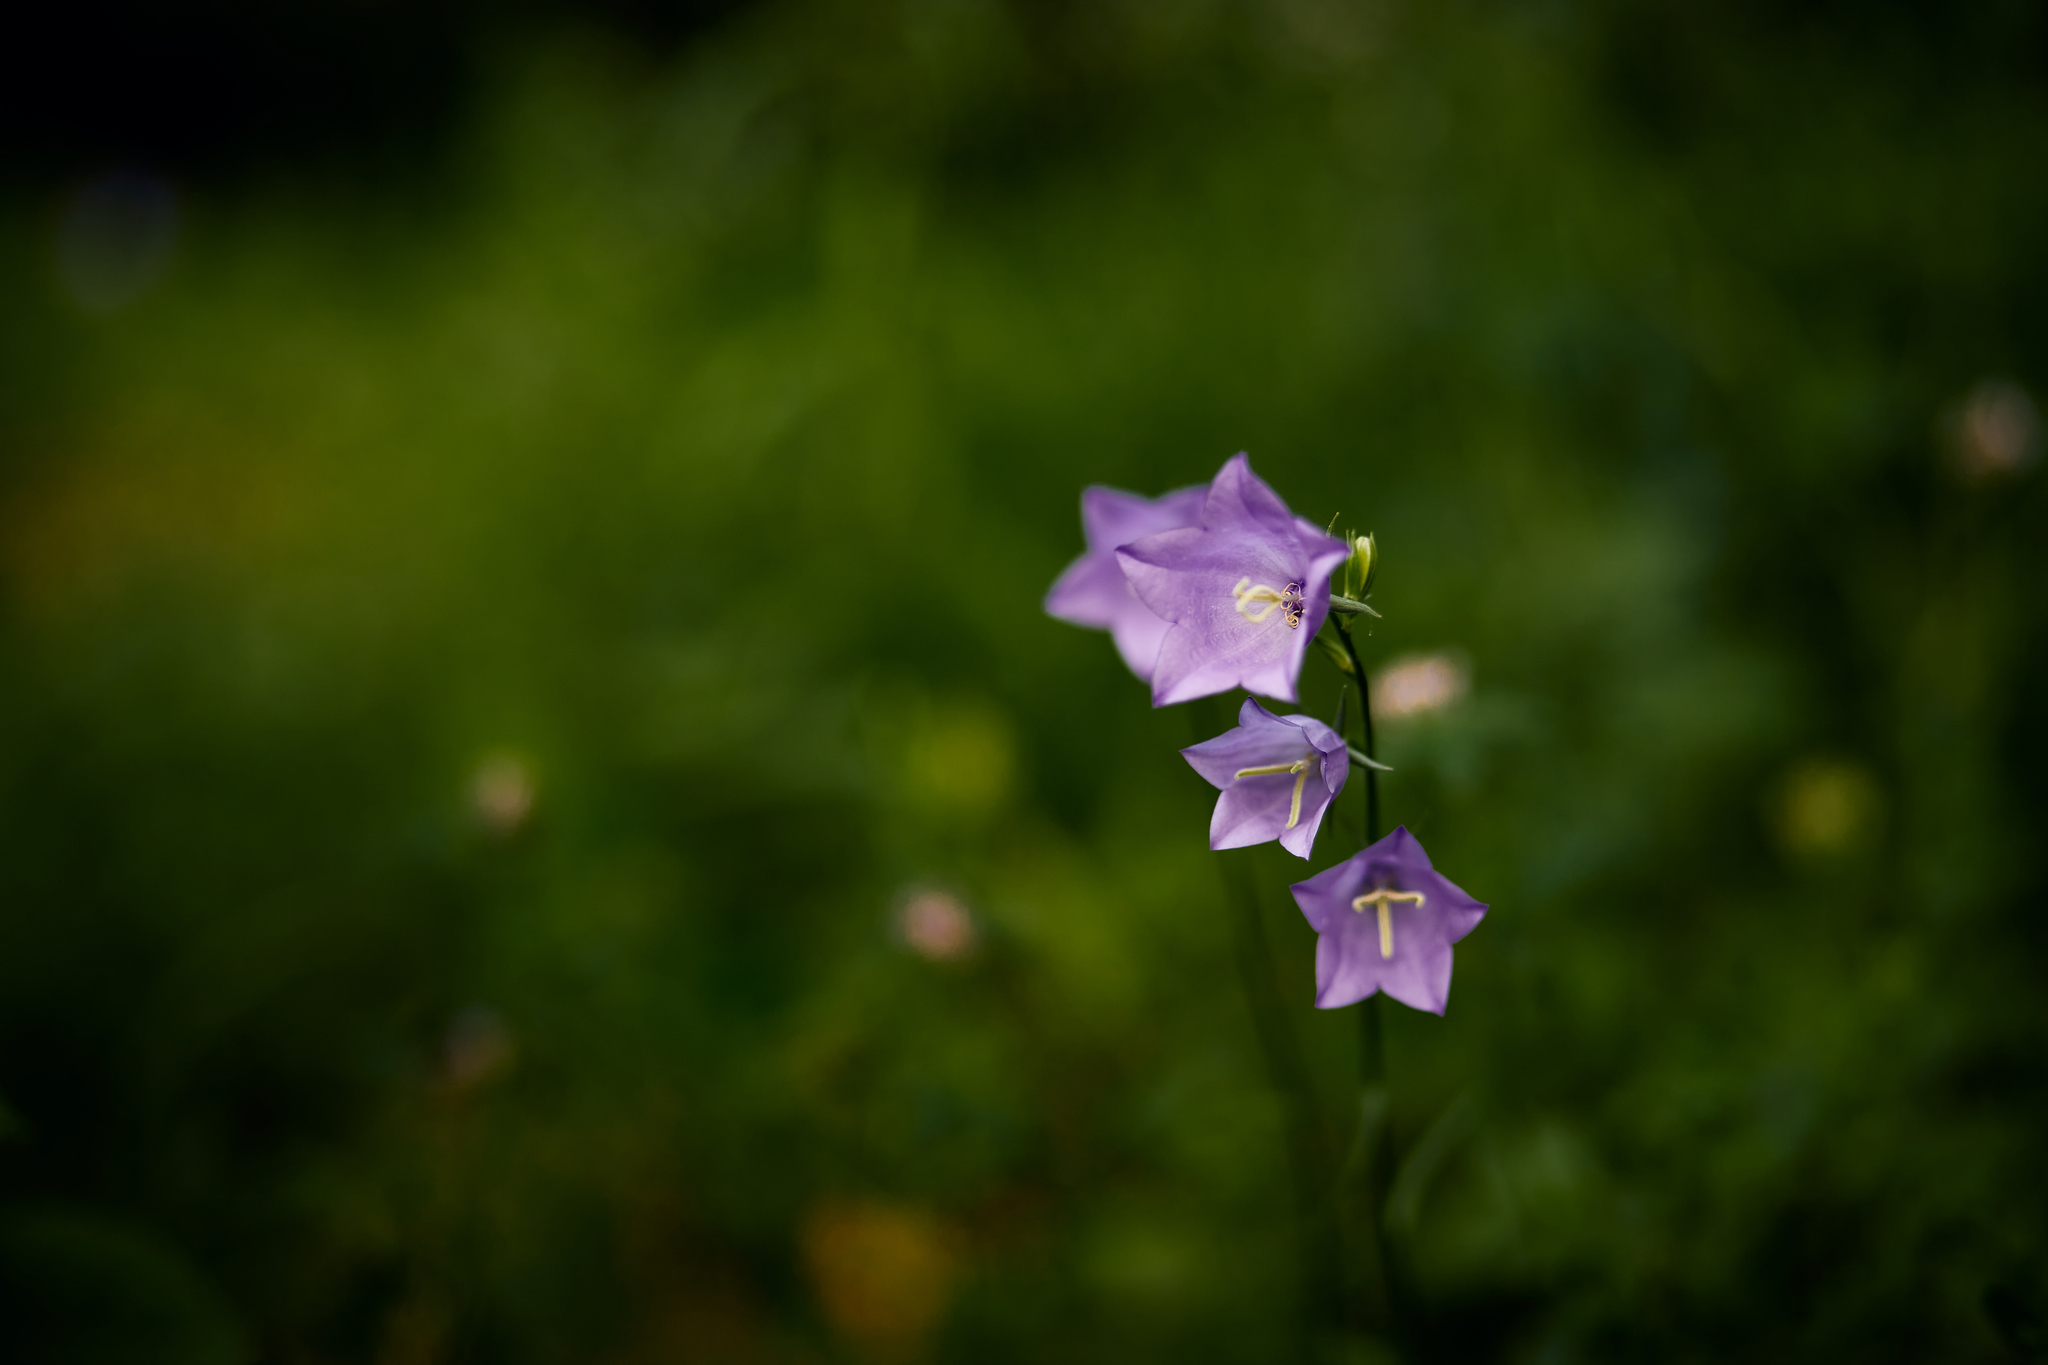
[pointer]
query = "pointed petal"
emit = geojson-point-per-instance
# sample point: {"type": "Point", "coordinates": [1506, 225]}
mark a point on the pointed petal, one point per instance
{"type": "Point", "coordinates": [1345, 975]}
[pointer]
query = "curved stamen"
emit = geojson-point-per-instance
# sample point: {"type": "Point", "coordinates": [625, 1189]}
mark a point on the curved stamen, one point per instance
{"type": "Point", "coordinates": [1265, 598]}
{"type": "Point", "coordinates": [1299, 768]}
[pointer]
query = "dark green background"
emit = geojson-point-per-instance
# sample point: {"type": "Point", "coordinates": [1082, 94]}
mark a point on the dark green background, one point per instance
{"type": "Point", "coordinates": [699, 422]}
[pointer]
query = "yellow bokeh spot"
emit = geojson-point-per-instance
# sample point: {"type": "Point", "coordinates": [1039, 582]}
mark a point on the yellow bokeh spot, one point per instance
{"type": "Point", "coordinates": [883, 1274]}
{"type": "Point", "coordinates": [1827, 806]}
{"type": "Point", "coordinates": [961, 757]}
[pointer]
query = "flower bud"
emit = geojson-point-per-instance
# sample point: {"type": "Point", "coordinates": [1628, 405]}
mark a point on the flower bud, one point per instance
{"type": "Point", "coordinates": [1363, 564]}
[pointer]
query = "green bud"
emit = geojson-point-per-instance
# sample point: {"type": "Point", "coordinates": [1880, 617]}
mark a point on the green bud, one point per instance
{"type": "Point", "coordinates": [1363, 564]}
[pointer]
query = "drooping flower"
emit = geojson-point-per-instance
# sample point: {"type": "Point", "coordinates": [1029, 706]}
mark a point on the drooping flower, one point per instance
{"type": "Point", "coordinates": [1278, 775]}
{"type": "Point", "coordinates": [1245, 589]}
{"type": "Point", "coordinates": [1094, 592]}
{"type": "Point", "coordinates": [1386, 921]}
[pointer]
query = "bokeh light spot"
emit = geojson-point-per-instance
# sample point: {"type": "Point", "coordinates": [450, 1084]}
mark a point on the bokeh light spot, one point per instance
{"type": "Point", "coordinates": [1416, 684]}
{"type": "Point", "coordinates": [883, 1274]}
{"type": "Point", "coordinates": [502, 792]}
{"type": "Point", "coordinates": [1827, 806]}
{"type": "Point", "coordinates": [936, 925]}
{"type": "Point", "coordinates": [962, 759]}
{"type": "Point", "coordinates": [1996, 433]}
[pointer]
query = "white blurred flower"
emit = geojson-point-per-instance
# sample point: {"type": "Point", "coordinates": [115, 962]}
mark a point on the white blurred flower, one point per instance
{"type": "Point", "coordinates": [1996, 432]}
{"type": "Point", "coordinates": [1416, 684]}
{"type": "Point", "coordinates": [502, 793]}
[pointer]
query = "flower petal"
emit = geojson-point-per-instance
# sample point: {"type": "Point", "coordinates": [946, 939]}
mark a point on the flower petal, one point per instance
{"type": "Point", "coordinates": [1093, 590]}
{"type": "Point", "coordinates": [1350, 962]}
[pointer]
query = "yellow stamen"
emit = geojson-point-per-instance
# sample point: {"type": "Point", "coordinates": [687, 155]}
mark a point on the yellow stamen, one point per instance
{"type": "Point", "coordinates": [1247, 593]}
{"type": "Point", "coordinates": [1383, 901]}
{"type": "Point", "coordinates": [1288, 599]}
{"type": "Point", "coordinates": [1299, 768]}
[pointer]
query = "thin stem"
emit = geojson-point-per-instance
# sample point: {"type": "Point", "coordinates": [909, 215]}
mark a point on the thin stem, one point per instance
{"type": "Point", "coordinates": [1373, 1155]}
{"type": "Point", "coordinates": [1311, 1152]}
{"type": "Point", "coordinates": [1372, 777]}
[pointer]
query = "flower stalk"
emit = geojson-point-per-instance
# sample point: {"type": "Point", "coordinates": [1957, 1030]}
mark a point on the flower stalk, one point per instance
{"type": "Point", "coordinates": [1211, 590]}
{"type": "Point", "coordinates": [1312, 1164]}
{"type": "Point", "coordinates": [1371, 1167]}
{"type": "Point", "coordinates": [1365, 758]}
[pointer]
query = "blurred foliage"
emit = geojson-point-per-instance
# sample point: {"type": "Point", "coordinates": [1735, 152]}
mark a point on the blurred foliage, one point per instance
{"type": "Point", "coordinates": [485, 667]}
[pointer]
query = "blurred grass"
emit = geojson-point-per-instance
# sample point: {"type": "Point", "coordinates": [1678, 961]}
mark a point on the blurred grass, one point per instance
{"type": "Point", "coordinates": [701, 447]}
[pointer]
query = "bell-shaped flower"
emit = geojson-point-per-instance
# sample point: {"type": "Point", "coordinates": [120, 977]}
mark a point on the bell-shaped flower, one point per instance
{"type": "Point", "coordinates": [1245, 589]}
{"type": "Point", "coordinates": [1094, 592]}
{"type": "Point", "coordinates": [1278, 775]}
{"type": "Point", "coordinates": [1386, 921]}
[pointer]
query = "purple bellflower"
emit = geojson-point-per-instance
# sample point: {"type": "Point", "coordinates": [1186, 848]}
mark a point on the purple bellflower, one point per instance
{"type": "Point", "coordinates": [1386, 921]}
{"type": "Point", "coordinates": [1094, 592]}
{"type": "Point", "coordinates": [1278, 775]}
{"type": "Point", "coordinates": [1245, 589]}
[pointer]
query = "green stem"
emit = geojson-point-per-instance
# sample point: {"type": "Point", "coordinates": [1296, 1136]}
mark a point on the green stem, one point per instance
{"type": "Point", "coordinates": [1311, 1152]}
{"type": "Point", "coordinates": [1372, 779]}
{"type": "Point", "coordinates": [1373, 1155]}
